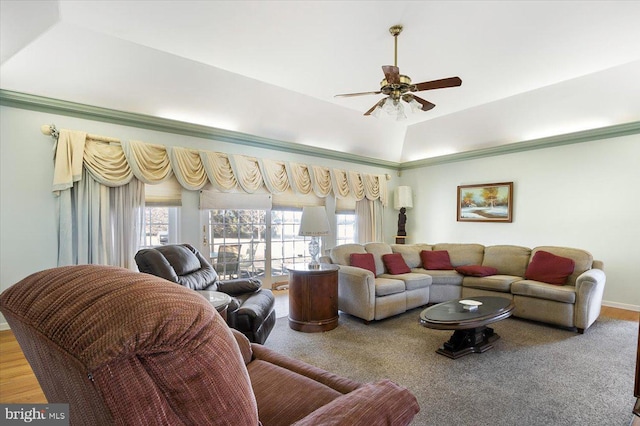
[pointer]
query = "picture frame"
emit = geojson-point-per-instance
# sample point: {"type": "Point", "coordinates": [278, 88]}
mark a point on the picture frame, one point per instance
{"type": "Point", "coordinates": [486, 202]}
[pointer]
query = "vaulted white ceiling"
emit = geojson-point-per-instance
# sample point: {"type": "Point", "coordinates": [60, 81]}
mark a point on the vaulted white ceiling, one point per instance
{"type": "Point", "coordinates": [272, 68]}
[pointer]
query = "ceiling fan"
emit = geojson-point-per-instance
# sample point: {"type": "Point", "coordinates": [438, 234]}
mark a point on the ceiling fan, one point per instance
{"type": "Point", "coordinates": [398, 87]}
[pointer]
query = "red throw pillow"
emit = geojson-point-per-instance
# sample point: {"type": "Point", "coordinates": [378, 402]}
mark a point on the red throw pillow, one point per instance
{"type": "Point", "coordinates": [435, 260]}
{"type": "Point", "coordinates": [549, 268]}
{"type": "Point", "coordinates": [476, 270]}
{"type": "Point", "coordinates": [395, 264]}
{"type": "Point", "coordinates": [363, 260]}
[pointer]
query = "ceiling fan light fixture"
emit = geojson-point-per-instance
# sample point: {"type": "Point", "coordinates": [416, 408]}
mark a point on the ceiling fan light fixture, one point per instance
{"type": "Point", "coordinates": [376, 111]}
{"type": "Point", "coordinates": [415, 105]}
{"type": "Point", "coordinates": [389, 106]}
{"type": "Point", "coordinates": [400, 115]}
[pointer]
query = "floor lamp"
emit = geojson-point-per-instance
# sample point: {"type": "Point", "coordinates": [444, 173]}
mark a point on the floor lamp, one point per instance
{"type": "Point", "coordinates": [314, 224]}
{"type": "Point", "coordinates": [402, 200]}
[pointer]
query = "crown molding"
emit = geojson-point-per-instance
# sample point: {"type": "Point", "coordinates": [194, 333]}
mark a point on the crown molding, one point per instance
{"type": "Point", "coordinates": [548, 142]}
{"type": "Point", "coordinates": [55, 106]}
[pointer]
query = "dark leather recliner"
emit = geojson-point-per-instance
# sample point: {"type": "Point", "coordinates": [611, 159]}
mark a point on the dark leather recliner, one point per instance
{"type": "Point", "coordinates": [252, 308]}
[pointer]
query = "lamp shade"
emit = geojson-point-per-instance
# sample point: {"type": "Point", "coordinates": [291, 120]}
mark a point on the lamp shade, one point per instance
{"type": "Point", "coordinates": [403, 198]}
{"type": "Point", "coordinates": [314, 221]}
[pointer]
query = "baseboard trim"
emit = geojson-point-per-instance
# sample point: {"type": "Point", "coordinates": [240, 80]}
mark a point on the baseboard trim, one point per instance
{"type": "Point", "coordinates": [4, 326]}
{"type": "Point", "coordinates": [624, 306]}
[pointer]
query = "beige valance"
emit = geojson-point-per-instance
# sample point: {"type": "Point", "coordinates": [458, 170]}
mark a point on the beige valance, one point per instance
{"type": "Point", "coordinates": [115, 163]}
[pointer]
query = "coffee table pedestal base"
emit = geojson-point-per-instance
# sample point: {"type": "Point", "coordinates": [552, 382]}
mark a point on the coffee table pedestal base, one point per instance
{"type": "Point", "coordinates": [465, 342]}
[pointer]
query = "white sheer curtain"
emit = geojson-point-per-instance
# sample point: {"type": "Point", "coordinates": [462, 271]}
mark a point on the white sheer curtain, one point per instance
{"type": "Point", "coordinates": [99, 224]}
{"type": "Point", "coordinates": [369, 221]}
{"type": "Point", "coordinates": [126, 209]}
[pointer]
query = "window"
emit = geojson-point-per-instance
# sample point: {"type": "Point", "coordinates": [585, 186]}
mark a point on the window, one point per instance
{"type": "Point", "coordinates": [287, 247]}
{"type": "Point", "coordinates": [346, 228]}
{"type": "Point", "coordinates": [237, 242]}
{"type": "Point", "coordinates": [160, 225]}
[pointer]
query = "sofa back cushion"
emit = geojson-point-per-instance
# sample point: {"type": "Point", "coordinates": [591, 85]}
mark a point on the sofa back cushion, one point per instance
{"type": "Point", "coordinates": [395, 264]}
{"type": "Point", "coordinates": [378, 249]}
{"type": "Point", "coordinates": [180, 263]}
{"type": "Point", "coordinates": [583, 259]}
{"type": "Point", "coordinates": [340, 255]}
{"type": "Point", "coordinates": [476, 270]}
{"type": "Point", "coordinates": [462, 254]}
{"type": "Point", "coordinates": [508, 260]}
{"type": "Point", "coordinates": [364, 261]}
{"type": "Point", "coordinates": [549, 268]}
{"type": "Point", "coordinates": [436, 260]}
{"type": "Point", "coordinates": [411, 253]}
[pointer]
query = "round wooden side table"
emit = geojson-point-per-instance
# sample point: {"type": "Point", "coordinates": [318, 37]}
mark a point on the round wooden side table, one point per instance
{"type": "Point", "coordinates": [313, 298]}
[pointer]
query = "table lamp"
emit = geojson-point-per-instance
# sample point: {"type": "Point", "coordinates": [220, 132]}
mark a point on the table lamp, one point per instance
{"type": "Point", "coordinates": [314, 224]}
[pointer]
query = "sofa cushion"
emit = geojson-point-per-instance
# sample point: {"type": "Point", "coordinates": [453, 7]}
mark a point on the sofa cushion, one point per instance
{"type": "Point", "coordinates": [500, 283]}
{"type": "Point", "coordinates": [476, 270]}
{"type": "Point", "coordinates": [411, 253]}
{"type": "Point", "coordinates": [507, 259]}
{"type": "Point", "coordinates": [462, 254]}
{"type": "Point", "coordinates": [583, 259]}
{"type": "Point", "coordinates": [411, 280]}
{"type": "Point", "coordinates": [395, 264]}
{"type": "Point", "coordinates": [436, 260]}
{"type": "Point", "coordinates": [183, 260]}
{"type": "Point", "coordinates": [387, 286]}
{"type": "Point", "coordinates": [549, 268]}
{"type": "Point", "coordinates": [540, 290]}
{"type": "Point", "coordinates": [364, 261]}
{"type": "Point", "coordinates": [378, 249]}
{"type": "Point", "coordinates": [340, 255]}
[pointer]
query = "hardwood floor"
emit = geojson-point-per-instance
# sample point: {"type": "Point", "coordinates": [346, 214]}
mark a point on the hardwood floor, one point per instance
{"type": "Point", "coordinates": [19, 385]}
{"type": "Point", "coordinates": [17, 381]}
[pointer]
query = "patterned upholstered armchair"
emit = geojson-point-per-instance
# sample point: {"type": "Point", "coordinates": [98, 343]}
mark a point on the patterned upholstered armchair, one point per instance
{"type": "Point", "coordinates": [252, 307]}
{"type": "Point", "coordinates": [126, 348]}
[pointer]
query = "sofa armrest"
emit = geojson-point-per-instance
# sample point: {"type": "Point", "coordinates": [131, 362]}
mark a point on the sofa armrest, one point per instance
{"type": "Point", "coordinates": [373, 404]}
{"type": "Point", "coordinates": [589, 290]}
{"type": "Point", "coordinates": [356, 292]}
{"type": "Point", "coordinates": [239, 286]}
{"type": "Point", "coordinates": [341, 384]}
{"type": "Point", "coordinates": [244, 345]}
{"type": "Point", "coordinates": [324, 259]}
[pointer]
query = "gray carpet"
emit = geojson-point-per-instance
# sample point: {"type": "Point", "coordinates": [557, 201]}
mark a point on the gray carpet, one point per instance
{"type": "Point", "coordinates": [534, 375]}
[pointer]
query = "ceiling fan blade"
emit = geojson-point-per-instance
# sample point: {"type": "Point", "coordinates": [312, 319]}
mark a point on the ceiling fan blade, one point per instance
{"type": "Point", "coordinates": [346, 95]}
{"type": "Point", "coordinates": [379, 103]}
{"type": "Point", "coordinates": [438, 84]}
{"type": "Point", "coordinates": [391, 73]}
{"type": "Point", "coordinates": [426, 105]}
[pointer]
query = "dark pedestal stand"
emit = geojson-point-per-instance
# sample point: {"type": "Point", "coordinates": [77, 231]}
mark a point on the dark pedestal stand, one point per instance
{"type": "Point", "coordinates": [471, 340]}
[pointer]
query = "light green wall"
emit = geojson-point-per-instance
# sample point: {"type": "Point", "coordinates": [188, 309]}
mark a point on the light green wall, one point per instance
{"type": "Point", "coordinates": [583, 195]}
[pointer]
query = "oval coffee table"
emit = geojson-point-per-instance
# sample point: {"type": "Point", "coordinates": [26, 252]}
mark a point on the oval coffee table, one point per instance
{"type": "Point", "coordinates": [471, 333]}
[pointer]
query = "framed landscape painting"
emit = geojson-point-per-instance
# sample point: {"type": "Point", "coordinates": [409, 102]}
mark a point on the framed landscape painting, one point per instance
{"type": "Point", "coordinates": [487, 202]}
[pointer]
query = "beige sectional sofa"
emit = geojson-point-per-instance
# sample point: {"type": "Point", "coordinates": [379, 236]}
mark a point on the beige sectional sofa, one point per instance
{"type": "Point", "coordinates": [575, 304]}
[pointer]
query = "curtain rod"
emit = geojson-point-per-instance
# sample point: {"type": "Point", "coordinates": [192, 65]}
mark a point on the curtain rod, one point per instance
{"type": "Point", "coordinates": [50, 130]}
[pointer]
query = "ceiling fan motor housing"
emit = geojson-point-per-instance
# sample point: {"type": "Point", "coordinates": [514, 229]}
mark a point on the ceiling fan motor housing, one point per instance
{"type": "Point", "coordinates": [396, 90]}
